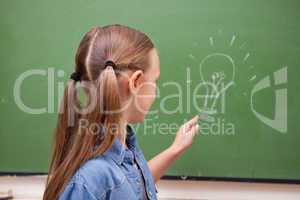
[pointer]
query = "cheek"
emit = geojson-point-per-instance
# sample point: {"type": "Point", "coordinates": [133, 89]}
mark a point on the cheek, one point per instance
{"type": "Point", "coordinates": [151, 94]}
{"type": "Point", "coordinates": [146, 96]}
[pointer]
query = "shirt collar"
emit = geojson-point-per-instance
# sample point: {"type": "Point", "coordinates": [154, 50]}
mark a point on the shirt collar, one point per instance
{"type": "Point", "coordinates": [117, 150]}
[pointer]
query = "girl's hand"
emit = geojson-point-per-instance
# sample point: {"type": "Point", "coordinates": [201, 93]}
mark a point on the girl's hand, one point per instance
{"type": "Point", "coordinates": [185, 135]}
{"type": "Point", "coordinates": [184, 138]}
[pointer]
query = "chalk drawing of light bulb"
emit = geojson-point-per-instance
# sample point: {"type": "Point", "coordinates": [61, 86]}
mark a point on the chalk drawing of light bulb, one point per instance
{"type": "Point", "coordinates": [217, 73]}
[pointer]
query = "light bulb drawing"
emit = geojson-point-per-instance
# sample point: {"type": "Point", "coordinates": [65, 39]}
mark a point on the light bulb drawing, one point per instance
{"type": "Point", "coordinates": [217, 73]}
{"type": "Point", "coordinates": [218, 70]}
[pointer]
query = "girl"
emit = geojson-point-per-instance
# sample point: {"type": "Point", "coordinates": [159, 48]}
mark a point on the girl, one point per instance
{"type": "Point", "coordinates": [96, 154]}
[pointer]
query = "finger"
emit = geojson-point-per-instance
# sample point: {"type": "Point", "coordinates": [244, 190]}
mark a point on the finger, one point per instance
{"type": "Point", "coordinates": [193, 121]}
{"type": "Point", "coordinates": [193, 131]}
{"type": "Point", "coordinates": [187, 126]}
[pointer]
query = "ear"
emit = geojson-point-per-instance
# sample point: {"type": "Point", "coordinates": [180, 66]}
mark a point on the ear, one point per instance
{"type": "Point", "coordinates": [135, 80]}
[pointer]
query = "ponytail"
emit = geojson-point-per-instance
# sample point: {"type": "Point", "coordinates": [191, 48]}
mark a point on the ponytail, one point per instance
{"type": "Point", "coordinates": [110, 108]}
{"type": "Point", "coordinates": [73, 145]}
{"type": "Point", "coordinates": [65, 128]}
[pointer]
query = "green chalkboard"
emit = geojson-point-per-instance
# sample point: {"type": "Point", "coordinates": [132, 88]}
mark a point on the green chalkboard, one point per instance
{"type": "Point", "coordinates": [237, 62]}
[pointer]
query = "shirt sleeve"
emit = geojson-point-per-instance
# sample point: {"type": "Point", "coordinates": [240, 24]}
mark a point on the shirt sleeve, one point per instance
{"type": "Point", "coordinates": [76, 191]}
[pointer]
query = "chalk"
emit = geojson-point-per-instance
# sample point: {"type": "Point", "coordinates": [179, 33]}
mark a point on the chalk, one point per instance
{"type": "Point", "coordinates": [205, 117]}
{"type": "Point", "coordinates": [183, 177]}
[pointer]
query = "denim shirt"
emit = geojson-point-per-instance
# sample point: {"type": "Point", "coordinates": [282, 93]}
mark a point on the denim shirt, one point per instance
{"type": "Point", "coordinates": [118, 174]}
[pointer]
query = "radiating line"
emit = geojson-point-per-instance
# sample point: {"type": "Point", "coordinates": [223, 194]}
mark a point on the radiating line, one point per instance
{"type": "Point", "coordinates": [246, 57]}
{"type": "Point", "coordinates": [252, 78]}
{"type": "Point", "coordinates": [232, 40]}
{"type": "Point", "coordinates": [211, 41]}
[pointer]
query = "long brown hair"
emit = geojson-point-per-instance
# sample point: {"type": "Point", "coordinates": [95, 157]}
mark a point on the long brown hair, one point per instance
{"type": "Point", "coordinates": [128, 48]}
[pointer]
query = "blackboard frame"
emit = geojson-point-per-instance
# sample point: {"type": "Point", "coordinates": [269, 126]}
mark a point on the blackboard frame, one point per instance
{"type": "Point", "coordinates": [193, 178]}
